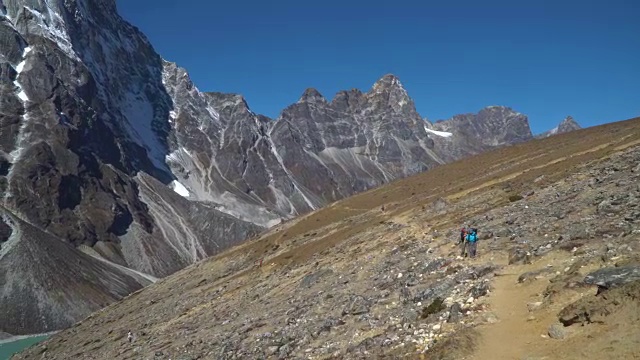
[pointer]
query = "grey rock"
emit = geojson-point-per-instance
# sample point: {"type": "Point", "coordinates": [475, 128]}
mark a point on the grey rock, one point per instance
{"type": "Point", "coordinates": [480, 289]}
{"type": "Point", "coordinates": [283, 351]}
{"type": "Point", "coordinates": [608, 207]}
{"type": "Point", "coordinates": [596, 309]}
{"type": "Point", "coordinates": [534, 306]}
{"type": "Point", "coordinates": [455, 313]}
{"type": "Point", "coordinates": [405, 294]}
{"type": "Point", "coordinates": [532, 275]}
{"type": "Point", "coordinates": [311, 279]}
{"type": "Point", "coordinates": [519, 256]}
{"type": "Point", "coordinates": [357, 305]}
{"type": "Point", "coordinates": [612, 277]}
{"type": "Point", "coordinates": [541, 251]}
{"type": "Point", "coordinates": [557, 331]}
{"type": "Point", "coordinates": [477, 272]}
{"type": "Point", "coordinates": [437, 290]}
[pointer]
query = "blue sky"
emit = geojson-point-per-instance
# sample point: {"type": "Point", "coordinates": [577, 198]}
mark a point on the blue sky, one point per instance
{"type": "Point", "coordinates": [547, 59]}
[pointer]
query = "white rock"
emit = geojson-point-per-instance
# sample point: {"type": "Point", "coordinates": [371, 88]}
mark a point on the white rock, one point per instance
{"type": "Point", "coordinates": [534, 305]}
{"type": "Point", "coordinates": [419, 303]}
{"type": "Point", "coordinates": [436, 327]}
{"type": "Point", "coordinates": [567, 269]}
{"type": "Point", "coordinates": [470, 300]}
{"type": "Point", "coordinates": [399, 275]}
{"type": "Point", "coordinates": [448, 301]}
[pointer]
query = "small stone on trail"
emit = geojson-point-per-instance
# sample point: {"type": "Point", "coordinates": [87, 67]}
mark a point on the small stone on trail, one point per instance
{"type": "Point", "coordinates": [534, 306]}
{"type": "Point", "coordinates": [557, 331]}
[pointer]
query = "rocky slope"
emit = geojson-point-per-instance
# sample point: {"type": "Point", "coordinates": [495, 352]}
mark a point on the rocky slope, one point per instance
{"type": "Point", "coordinates": [566, 125]}
{"type": "Point", "coordinates": [133, 173]}
{"type": "Point", "coordinates": [378, 275]}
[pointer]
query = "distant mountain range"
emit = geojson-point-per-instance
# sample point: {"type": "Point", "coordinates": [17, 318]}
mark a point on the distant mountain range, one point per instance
{"type": "Point", "coordinates": [116, 170]}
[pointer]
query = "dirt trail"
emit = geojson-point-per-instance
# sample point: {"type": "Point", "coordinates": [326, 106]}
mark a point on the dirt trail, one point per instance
{"type": "Point", "coordinates": [518, 334]}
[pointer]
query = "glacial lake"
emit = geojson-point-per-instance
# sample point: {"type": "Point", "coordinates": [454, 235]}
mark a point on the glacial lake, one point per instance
{"type": "Point", "coordinates": [10, 346]}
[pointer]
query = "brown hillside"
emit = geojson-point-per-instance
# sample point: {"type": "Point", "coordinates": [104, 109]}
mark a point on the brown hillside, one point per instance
{"type": "Point", "coordinates": [354, 280]}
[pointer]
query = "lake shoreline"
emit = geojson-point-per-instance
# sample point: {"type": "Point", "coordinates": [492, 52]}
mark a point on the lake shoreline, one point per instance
{"type": "Point", "coordinates": [22, 337]}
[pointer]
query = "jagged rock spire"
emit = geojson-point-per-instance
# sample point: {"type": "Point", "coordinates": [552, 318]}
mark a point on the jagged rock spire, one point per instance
{"type": "Point", "coordinates": [311, 95]}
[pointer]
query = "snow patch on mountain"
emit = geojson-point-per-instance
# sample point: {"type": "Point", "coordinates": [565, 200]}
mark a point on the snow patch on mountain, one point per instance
{"type": "Point", "coordinates": [179, 188]}
{"type": "Point", "coordinates": [439, 133]}
{"type": "Point", "coordinates": [19, 144]}
{"type": "Point", "coordinates": [138, 112]}
{"type": "Point", "coordinates": [19, 68]}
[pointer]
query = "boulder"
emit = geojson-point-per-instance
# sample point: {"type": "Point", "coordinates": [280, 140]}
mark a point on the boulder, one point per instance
{"type": "Point", "coordinates": [519, 256]}
{"type": "Point", "coordinates": [532, 275]}
{"type": "Point", "coordinates": [611, 277]}
{"type": "Point", "coordinates": [597, 308]}
{"type": "Point", "coordinates": [455, 313]}
{"type": "Point", "coordinates": [557, 331]}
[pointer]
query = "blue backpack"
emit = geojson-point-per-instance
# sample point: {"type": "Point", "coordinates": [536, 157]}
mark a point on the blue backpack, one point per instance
{"type": "Point", "coordinates": [473, 237]}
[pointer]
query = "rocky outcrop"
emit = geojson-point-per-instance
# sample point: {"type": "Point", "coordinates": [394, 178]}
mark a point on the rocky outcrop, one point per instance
{"type": "Point", "coordinates": [353, 143]}
{"type": "Point", "coordinates": [608, 278]}
{"type": "Point", "coordinates": [596, 309]}
{"type": "Point", "coordinates": [491, 127]}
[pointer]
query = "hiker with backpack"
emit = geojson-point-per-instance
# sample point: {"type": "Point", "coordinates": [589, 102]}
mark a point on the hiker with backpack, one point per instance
{"type": "Point", "coordinates": [472, 242]}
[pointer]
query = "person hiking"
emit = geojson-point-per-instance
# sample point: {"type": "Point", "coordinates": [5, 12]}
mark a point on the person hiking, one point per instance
{"type": "Point", "coordinates": [463, 233]}
{"type": "Point", "coordinates": [130, 336]}
{"type": "Point", "coordinates": [472, 242]}
{"type": "Point", "coordinates": [463, 238]}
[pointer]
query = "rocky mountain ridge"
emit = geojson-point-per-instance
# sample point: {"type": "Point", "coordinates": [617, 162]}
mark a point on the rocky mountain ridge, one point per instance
{"type": "Point", "coordinates": [111, 155]}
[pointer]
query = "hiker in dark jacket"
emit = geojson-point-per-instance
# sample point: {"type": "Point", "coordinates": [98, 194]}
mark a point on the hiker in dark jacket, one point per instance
{"type": "Point", "coordinates": [463, 238]}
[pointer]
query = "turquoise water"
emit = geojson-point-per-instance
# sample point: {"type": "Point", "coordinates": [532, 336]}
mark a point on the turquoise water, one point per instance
{"type": "Point", "coordinates": [11, 347]}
